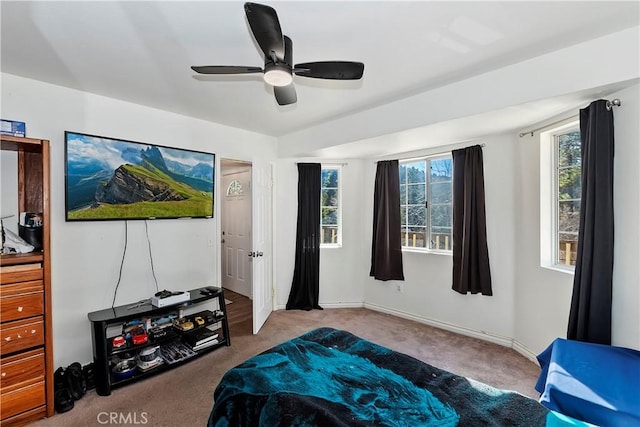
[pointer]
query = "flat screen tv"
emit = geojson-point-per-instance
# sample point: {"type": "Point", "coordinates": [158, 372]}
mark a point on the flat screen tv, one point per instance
{"type": "Point", "coordinates": [115, 179]}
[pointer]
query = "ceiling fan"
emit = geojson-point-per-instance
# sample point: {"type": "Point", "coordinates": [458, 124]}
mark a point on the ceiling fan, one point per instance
{"type": "Point", "coordinates": [278, 58]}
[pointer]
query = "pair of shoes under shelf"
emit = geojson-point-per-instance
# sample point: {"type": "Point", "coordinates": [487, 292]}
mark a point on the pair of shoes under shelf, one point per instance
{"type": "Point", "coordinates": [63, 401]}
{"type": "Point", "coordinates": [76, 381]}
{"type": "Point", "coordinates": [69, 385]}
{"type": "Point", "coordinates": [87, 373]}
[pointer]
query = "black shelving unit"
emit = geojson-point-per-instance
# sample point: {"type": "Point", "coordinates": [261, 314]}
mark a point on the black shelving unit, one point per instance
{"type": "Point", "coordinates": [104, 354]}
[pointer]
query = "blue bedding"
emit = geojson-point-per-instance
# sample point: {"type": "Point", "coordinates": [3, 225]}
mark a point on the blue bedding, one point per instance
{"type": "Point", "coordinates": [329, 377]}
{"type": "Point", "coordinates": [596, 383]}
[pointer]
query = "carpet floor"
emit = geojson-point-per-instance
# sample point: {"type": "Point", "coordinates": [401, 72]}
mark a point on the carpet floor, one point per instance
{"type": "Point", "coordinates": [184, 396]}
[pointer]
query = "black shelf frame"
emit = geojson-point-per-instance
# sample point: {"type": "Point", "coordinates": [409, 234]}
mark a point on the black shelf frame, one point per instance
{"type": "Point", "coordinates": [102, 351]}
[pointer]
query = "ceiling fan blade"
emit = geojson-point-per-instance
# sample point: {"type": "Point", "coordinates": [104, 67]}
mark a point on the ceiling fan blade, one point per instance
{"type": "Point", "coordinates": [285, 95]}
{"type": "Point", "coordinates": [334, 70]}
{"type": "Point", "coordinates": [288, 51]}
{"type": "Point", "coordinates": [225, 69]}
{"type": "Point", "coordinates": [265, 27]}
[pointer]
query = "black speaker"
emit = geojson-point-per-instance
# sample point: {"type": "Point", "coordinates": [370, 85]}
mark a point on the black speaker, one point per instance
{"type": "Point", "coordinates": [31, 235]}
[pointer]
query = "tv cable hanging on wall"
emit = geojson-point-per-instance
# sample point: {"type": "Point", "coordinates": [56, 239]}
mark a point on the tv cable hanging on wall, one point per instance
{"type": "Point", "coordinates": [124, 252]}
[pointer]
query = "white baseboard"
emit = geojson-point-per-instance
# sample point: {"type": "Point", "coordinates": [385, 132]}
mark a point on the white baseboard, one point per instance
{"type": "Point", "coordinates": [485, 336]}
{"type": "Point", "coordinates": [523, 350]}
{"type": "Point", "coordinates": [327, 305]}
{"type": "Point", "coordinates": [342, 304]}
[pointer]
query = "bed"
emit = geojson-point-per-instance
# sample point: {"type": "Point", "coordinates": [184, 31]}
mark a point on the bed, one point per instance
{"type": "Point", "coordinates": [330, 377]}
{"type": "Point", "coordinates": [591, 382]}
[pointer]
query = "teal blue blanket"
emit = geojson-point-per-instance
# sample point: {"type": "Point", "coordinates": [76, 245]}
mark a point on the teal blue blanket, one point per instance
{"type": "Point", "coordinates": [329, 377]}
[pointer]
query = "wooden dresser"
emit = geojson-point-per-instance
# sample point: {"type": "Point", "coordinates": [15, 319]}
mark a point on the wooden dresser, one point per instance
{"type": "Point", "coordinates": [26, 351]}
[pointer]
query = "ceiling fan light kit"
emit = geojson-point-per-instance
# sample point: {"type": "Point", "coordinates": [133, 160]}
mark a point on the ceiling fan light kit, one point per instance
{"type": "Point", "coordinates": [277, 76]}
{"type": "Point", "coordinates": [278, 58]}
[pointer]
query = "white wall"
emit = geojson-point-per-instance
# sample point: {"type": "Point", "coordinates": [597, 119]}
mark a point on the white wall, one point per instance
{"type": "Point", "coordinates": [427, 294]}
{"type": "Point", "coordinates": [543, 296]}
{"type": "Point", "coordinates": [530, 305]}
{"type": "Point", "coordinates": [86, 256]}
{"type": "Point", "coordinates": [426, 291]}
{"type": "Point", "coordinates": [594, 63]}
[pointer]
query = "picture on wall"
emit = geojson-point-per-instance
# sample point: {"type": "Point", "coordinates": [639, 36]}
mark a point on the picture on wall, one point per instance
{"type": "Point", "coordinates": [115, 179]}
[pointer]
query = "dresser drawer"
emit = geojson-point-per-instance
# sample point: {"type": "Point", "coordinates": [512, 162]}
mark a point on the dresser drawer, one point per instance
{"type": "Point", "coordinates": [20, 273]}
{"type": "Point", "coordinates": [21, 370]}
{"type": "Point", "coordinates": [25, 418]}
{"type": "Point", "coordinates": [22, 399]}
{"type": "Point", "coordinates": [21, 300]}
{"type": "Point", "coordinates": [21, 334]}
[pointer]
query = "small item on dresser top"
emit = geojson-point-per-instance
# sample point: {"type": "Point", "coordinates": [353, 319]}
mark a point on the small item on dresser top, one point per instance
{"type": "Point", "coordinates": [13, 128]}
{"type": "Point", "coordinates": [15, 244]}
{"type": "Point", "coordinates": [30, 228]}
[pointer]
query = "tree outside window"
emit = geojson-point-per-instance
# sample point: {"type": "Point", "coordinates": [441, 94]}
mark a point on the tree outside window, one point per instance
{"type": "Point", "coordinates": [426, 203]}
{"type": "Point", "coordinates": [330, 221]}
{"type": "Point", "coordinates": [569, 189]}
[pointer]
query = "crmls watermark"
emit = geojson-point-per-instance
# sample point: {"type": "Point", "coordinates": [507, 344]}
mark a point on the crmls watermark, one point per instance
{"type": "Point", "coordinates": [117, 418]}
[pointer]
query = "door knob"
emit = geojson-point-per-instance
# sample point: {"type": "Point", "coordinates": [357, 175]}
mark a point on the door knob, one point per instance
{"type": "Point", "coordinates": [259, 253]}
{"type": "Point", "coordinates": [222, 240]}
{"type": "Point", "coordinates": [252, 254]}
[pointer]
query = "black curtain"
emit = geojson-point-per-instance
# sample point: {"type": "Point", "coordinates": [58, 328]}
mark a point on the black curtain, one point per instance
{"type": "Point", "coordinates": [471, 272]}
{"type": "Point", "coordinates": [590, 315]}
{"type": "Point", "coordinates": [305, 287]}
{"type": "Point", "coordinates": [386, 249]}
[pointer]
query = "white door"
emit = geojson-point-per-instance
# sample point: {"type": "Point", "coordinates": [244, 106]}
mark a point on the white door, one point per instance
{"type": "Point", "coordinates": [262, 245]}
{"type": "Point", "coordinates": [236, 232]}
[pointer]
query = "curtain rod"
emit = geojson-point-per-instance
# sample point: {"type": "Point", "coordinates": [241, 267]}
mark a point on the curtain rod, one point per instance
{"type": "Point", "coordinates": [610, 104]}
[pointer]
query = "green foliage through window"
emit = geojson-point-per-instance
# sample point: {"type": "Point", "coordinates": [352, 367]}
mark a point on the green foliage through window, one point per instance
{"type": "Point", "coordinates": [330, 205]}
{"type": "Point", "coordinates": [426, 203]}
{"type": "Point", "coordinates": [568, 181]}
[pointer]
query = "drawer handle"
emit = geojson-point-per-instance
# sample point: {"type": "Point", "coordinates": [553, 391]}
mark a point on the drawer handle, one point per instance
{"type": "Point", "coordinates": [33, 331]}
{"type": "Point", "coordinates": [7, 339]}
{"type": "Point", "coordinates": [4, 374]}
{"type": "Point", "coordinates": [20, 309]}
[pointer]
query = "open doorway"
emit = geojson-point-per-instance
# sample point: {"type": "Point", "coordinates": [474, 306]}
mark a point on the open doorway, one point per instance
{"type": "Point", "coordinates": [236, 243]}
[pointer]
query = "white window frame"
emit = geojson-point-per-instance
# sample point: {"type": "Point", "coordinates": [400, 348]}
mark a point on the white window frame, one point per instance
{"type": "Point", "coordinates": [549, 200]}
{"type": "Point", "coordinates": [338, 243]}
{"type": "Point", "coordinates": [403, 237]}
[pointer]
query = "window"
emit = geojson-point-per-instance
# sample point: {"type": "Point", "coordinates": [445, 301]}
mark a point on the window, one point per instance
{"type": "Point", "coordinates": [330, 215]}
{"type": "Point", "coordinates": [567, 192]}
{"type": "Point", "coordinates": [426, 203]}
{"type": "Point", "coordinates": [235, 188]}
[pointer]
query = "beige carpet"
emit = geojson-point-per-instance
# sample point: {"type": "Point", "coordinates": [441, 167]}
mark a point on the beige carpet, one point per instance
{"type": "Point", "coordinates": [184, 396]}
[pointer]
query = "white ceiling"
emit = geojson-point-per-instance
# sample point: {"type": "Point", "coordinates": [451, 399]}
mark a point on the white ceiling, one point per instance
{"type": "Point", "coordinates": [141, 51]}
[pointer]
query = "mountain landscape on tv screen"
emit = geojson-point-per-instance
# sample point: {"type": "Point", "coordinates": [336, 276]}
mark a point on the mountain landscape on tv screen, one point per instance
{"type": "Point", "coordinates": [111, 179]}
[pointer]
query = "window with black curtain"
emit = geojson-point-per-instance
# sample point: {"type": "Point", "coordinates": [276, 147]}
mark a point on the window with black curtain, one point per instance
{"type": "Point", "coordinates": [471, 273]}
{"type": "Point", "coordinates": [386, 248]}
{"type": "Point", "coordinates": [305, 287]}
